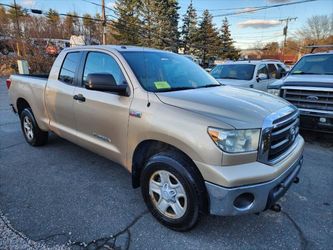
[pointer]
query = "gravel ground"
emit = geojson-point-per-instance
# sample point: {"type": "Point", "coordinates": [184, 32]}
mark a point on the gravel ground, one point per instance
{"type": "Point", "coordinates": [10, 238]}
{"type": "Point", "coordinates": [61, 195]}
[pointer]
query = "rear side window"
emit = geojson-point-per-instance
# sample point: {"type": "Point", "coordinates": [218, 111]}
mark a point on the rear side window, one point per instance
{"type": "Point", "coordinates": [98, 62]}
{"type": "Point", "coordinates": [272, 70]}
{"type": "Point", "coordinates": [68, 69]}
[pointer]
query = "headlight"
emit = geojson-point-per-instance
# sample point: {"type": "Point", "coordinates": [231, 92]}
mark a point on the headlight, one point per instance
{"type": "Point", "coordinates": [235, 141]}
{"type": "Point", "coordinates": [274, 92]}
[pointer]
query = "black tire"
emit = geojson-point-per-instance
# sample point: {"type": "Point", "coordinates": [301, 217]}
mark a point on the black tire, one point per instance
{"type": "Point", "coordinates": [39, 137]}
{"type": "Point", "coordinates": [5, 51]}
{"type": "Point", "coordinates": [179, 167]}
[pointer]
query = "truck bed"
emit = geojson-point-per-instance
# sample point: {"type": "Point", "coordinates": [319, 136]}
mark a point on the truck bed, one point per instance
{"type": "Point", "coordinates": [30, 88]}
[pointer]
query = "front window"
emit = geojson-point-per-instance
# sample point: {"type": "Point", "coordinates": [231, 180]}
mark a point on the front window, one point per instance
{"type": "Point", "coordinates": [164, 71]}
{"type": "Point", "coordinates": [314, 65]}
{"type": "Point", "coordinates": [262, 69]}
{"type": "Point", "coordinates": [98, 62]}
{"type": "Point", "coordinates": [233, 71]}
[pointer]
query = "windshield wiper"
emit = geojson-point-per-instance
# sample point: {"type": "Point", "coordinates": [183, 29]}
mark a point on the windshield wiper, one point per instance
{"type": "Point", "coordinates": [230, 77]}
{"type": "Point", "coordinates": [305, 73]}
{"type": "Point", "coordinates": [210, 85]}
{"type": "Point", "coordinates": [175, 89]}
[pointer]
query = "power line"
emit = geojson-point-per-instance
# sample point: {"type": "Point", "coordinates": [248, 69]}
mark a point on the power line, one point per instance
{"type": "Point", "coordinates": [263, 8]}
{"type": "Point", "coordinates": [41, 12]}
{"type": "Point", "coordinates": [121, 26]}
{"type": "Point", "coordinates": [7, 5]}
{"type": "Point", "coordinates": [100, 5]}
{"type": "Point", "coordinates": [264, 34]}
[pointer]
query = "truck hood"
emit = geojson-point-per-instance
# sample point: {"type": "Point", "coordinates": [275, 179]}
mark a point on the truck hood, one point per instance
{"type": "Point", "coordinates": [304, 80]}
{"type": "Point", "coordinates": [234, 82]}
{"type": "Point", "coordinates": [238, 107]}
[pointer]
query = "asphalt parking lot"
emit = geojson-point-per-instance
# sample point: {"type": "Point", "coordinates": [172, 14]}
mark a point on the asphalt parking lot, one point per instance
{"type": "Point", "coordinates": [61, 195]}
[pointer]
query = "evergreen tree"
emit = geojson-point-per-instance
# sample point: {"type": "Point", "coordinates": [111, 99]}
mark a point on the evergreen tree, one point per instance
{"type": "Point", "coordinates": [128, 25]}
{"type": "Point", "coordinates": [53, 24]}
{"type": "Point", "coordinates": [207, 39]}
{"type": "Point", "coordinates": [149, 18]}
{"type": "Point", "coordinates": [16, 13]}
{"type": "Point", "coordinates": [167, 35]}
{"type": "Point", "coordinates": [71, 25]}
{"type": "Point", "coordinates": [68, 26]}
{"type": "Point", "coordinates": [228, 50]}
{"type": "Point", "coordinates": [189, 29]}
{"type": "Point", "coordinates": [89, 26]}
{"type": "Point", "coordinates": [53, 17]}
{"type": "Point", "coordinates": [97, 32]}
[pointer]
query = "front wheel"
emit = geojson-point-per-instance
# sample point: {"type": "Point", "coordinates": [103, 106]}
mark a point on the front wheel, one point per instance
{"type": "Point", "coordinates": [172, 191]}
{"type": "Point", "coordinates": [32, 133]}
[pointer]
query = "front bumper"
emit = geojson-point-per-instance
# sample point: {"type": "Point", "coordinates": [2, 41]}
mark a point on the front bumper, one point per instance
{"type": "Point", "coordinates": [223, 200]}
{"type": "Point", "coordinates": [318, 121]}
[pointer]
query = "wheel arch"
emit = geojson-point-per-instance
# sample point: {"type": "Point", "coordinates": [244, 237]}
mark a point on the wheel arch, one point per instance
{"type": "Point", "coordinates": [22, 104]}
{"type": "Point", "coordinates": [148, 148]}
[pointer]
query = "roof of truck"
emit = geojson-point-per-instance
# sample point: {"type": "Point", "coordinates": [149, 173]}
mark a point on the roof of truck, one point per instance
{"type": "Point", "coordinates": [252, 62]}
{"type": "Point", "coordinates": [330, 52]}
{"type": "Point", "coordinates": [119, 48]}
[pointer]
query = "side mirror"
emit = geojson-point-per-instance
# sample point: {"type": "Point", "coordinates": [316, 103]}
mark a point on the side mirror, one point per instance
{"type": "Point", "coordinates": [105, 82]}
{"type": "Point", "coordinates": [280, 73]}
{"type": "Point", "coordinates": [262, 76]}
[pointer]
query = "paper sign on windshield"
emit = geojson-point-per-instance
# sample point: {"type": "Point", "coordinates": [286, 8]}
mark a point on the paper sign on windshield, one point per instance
{"type": "Point", "coordinates": [162, 85]}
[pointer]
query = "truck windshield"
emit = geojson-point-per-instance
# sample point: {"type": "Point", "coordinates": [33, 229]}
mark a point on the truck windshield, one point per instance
{"type": "Point", "coordinates": [314, 65]}
{"type": "Point", "coordinates": [165, 71]}
{"type": "Point", "coordinates": [233, 71]}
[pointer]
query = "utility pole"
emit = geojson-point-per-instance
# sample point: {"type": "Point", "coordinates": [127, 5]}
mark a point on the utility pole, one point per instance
{"type": "Point", "coordinates": [18, 33]}
{"type": "Point", "coordinates": [104, 22]}
{"type": "Point", "coordinates": [285, 32]}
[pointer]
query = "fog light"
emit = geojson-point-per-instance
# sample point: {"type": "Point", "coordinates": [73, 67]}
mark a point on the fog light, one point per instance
{"type": "Point", "coordinates": [244, 201]}
{"type": "Point", "coordinates": [322, 119]}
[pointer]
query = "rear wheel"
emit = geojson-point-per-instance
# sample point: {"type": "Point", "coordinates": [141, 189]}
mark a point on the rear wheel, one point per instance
{"type": "Point", "coordinates": [32, 133]}
{"type": "Point", "coordinates": [5, 51]}
{"type": "Point", "coordinates": [172, 190]}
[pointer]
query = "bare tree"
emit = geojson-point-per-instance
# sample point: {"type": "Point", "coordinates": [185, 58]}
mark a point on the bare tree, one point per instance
{"type": "Point", "coordinates": [316, 29]}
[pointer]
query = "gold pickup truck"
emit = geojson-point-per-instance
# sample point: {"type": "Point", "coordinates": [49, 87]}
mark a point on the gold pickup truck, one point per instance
{"type": "Point", "coordinates": [193, 145]}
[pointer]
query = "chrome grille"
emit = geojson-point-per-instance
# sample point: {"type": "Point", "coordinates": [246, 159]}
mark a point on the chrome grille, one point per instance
{"type": "Point", "coordinates": [309, 98]}
{"type": "Point", "coordinates": [283, 135]}
{"type": "Point", "coordinates": [279, 133]}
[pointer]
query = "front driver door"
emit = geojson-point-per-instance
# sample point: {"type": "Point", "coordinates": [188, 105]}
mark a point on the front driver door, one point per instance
{"type": "Point", "coordinates": [261, 84]}
{"type": "Point", "coordinates": [102, 117]}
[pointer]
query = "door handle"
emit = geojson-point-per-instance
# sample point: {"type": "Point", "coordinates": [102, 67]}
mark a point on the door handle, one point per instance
{"type": "Point", "coordinates": [79, 97]}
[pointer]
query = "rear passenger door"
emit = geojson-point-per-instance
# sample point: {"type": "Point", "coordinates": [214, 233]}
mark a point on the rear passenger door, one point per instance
{"type": "Point", "coordinates": [59, 94]}
{"type": "Point", "coordinates": [102, 118]}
